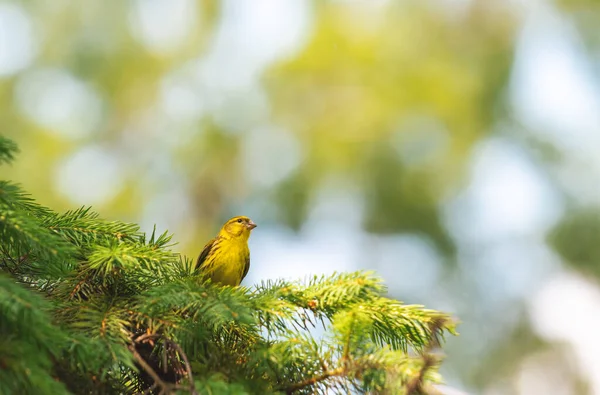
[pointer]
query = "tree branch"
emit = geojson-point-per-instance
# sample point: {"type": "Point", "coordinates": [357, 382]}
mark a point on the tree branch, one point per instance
{"type": "Point", "coordinates": [188, 367]}
{"type": "Point", "coordinates": [78, 287]}
{"type": "Point", "coordinates": [316, 379]}
{"type": "Point", "coordinates": [165, 388]}
{"type": "Point", "coordinates": [10, 258]}
{"type": "Point", "coordinates": [416, 385]}
{"type": "Point", "coordinates": [145, 337]}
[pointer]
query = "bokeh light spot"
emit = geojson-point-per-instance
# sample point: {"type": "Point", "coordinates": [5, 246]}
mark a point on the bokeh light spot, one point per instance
{"type": "Point", "coordinates": [89, 176]}
{"type": "Point", "coordinates": [162, 26]}
{"type": "Point", "coordinates": [57, 100]}
{"type": "Point", "coordinates": [567, 309]}
{"type": "Point", "coordinates": [17, 41]}
{"type": "Point", "coordinates": [553, 88]}
{"type": "Point", "coordinates": [263, 160]}
{"type": "Point", "coordinates": [408, 263]}
{"type": "Point", "coordinates": [180, 99]}
{"type": "Point", "coordinates": [508, 196]}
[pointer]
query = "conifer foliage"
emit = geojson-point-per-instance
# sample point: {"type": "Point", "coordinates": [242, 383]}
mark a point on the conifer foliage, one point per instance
{"type": "Point", "coordinates": [89, 306]}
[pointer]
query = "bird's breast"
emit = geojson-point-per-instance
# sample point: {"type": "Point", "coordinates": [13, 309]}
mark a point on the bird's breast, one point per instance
{"type": "Point", "coordinates": [231, 263]}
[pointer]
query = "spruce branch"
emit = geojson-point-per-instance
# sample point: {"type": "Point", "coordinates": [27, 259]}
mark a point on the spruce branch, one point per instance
{"type": "Point", "coordinates": [350, 367]}
{"type": "Point", "coordinates": [13, 198]}
{"type": "Point", "coordinates": [416, 386]}
{"type": "Point", "coordinates": [186, 361]}
{"type": "Point", "coordinates": [159, 380]}
{"type": "Point", "coordinates": [327, 373]}
{"type": "Point", "coordinates": [8, 261]}
{"type": "Point", "coordinates": [340, 371]}
{"type": "Point", "coordinates": [28, 236]}
{"type": "Point", "coordinates": [165, 387]}
{"type": "Point", "coordinates": [77, 287]}
{"type": "Point", "coordinates": [28, 341]}
{"type": "Point", "coordinates": [95, 306]}
{"type": "Point", "coordinates": [83, 227]}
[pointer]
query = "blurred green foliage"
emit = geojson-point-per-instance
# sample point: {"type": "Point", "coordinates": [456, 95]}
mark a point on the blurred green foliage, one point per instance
{"type": "Point", "coordinates": [576, 239]}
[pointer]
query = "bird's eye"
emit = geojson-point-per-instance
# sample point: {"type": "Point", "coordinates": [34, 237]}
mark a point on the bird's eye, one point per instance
{"type": "Point", "coordinates": [239, 220]}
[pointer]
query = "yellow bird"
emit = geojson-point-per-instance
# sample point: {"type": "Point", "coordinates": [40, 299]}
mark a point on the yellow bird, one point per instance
{"type": "Point", "coordinates": [226, 258]}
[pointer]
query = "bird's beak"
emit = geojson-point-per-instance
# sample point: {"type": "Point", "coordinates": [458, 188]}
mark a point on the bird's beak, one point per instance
{"type": "Point", "coordinates": [251, 225]}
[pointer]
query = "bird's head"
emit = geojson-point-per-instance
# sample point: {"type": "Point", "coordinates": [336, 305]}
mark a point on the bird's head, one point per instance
{"type": "Point", "coordinates": [237, 227]}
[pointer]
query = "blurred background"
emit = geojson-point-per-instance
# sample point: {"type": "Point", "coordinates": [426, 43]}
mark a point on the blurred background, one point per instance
{"type": "Point", "coordinates": [451, 145]}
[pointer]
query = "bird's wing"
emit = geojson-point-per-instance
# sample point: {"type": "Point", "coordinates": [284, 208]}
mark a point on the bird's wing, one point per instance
{"type": "Point", "coordinates": [205, 252]}
{"type": "Point", "coordinates": [246, 266]}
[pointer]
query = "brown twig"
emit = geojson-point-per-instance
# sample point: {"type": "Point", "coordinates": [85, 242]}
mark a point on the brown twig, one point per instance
{"type": "Point", "coordinates": [188, 367]}
{"type": "Point", "coordinates": [145, 336]}
{"type": "Point", "coordinates": [416, 385]}
{"type": "Point", "coordinates": [322, 362]}
{"type": "Point", "coordinates": [165, 388]}
{"type": "Point", "coordinates": [11, 259]}
{"type": "Point", "coordinates": [77, 287]}
{"type": "Point", "coordinates": [337, 372]}
{"type": "Point", "coordinates": [316, 379]}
